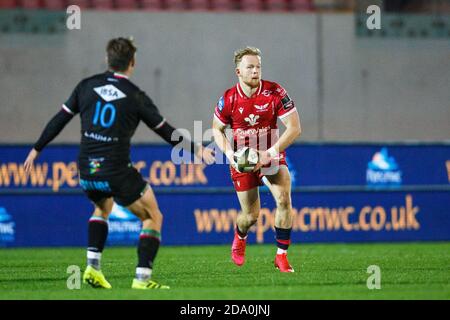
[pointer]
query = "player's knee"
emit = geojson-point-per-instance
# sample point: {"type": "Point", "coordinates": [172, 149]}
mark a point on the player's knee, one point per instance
{"type": "Point", "coordinates": [284, 201]}
{"type": "Point", "coordinates": [248, 218]}
{"type": "Point", "coordinates": [252, 220]}
{"type": "Point", "coordinates": [252, 217]}
{"type": "Point", "coordinates": [105, 214]}
{"type": "Point", "coordinates": [101, 213]}
{"type": "Point", "coordinates": [155, 215]}
{"type": "Point", "coordinates": [146, 223]}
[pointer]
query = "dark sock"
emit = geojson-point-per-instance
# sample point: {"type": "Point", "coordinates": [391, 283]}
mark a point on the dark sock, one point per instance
{"type": "Point", "coordinates": [97, 234]}
{"type": "Point", "coordinates": [240, 234]}
{"type": "Point", "coordinates": [148, 247]}
{"type": "Point", "coordinates": [283, 237]}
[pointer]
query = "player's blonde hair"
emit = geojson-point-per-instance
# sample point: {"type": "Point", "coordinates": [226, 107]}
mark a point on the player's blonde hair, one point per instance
{"type": "Point", "coordinates": [252, 51]}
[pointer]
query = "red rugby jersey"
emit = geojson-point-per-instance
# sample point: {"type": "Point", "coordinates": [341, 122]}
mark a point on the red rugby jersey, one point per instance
{"type": "Point", "coordinates": [254, 120]}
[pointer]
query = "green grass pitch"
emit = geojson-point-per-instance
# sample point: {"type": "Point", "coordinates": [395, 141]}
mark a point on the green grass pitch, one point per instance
{"type": "Point", "coordinates": [323, 271]}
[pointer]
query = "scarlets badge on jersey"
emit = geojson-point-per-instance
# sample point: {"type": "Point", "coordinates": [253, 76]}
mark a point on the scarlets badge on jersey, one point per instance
{"type": "Point", "coordinates": [220, 103]}
{"type": "Point", "coordinates": [109, 93]}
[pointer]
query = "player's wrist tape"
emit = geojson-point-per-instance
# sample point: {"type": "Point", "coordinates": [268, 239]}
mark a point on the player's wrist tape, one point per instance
{"type": "Point", "coordinates": [272, 152]}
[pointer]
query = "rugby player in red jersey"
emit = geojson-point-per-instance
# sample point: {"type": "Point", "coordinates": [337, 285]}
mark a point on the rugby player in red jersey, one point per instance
{"type": "Point", "coordinates": [251, 108]}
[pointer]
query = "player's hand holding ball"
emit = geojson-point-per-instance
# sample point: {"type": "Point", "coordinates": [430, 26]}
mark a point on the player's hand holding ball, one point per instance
{"type": "Point", "coordinates": [264, 158]}
{"type": "Point", "coordinates": [245, 159]}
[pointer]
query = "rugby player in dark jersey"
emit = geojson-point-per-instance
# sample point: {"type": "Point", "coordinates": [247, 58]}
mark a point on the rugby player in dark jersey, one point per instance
{"type": "Point", "coordinates": [110, 108]}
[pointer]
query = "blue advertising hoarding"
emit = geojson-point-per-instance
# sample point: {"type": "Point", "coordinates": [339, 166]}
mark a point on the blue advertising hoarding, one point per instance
{"type": "Point", "coordinates": [41, 220]}
{"type": "Point", "coordinates": [310, 165]}
{"type": "Point", "coordinates": [357, 193]}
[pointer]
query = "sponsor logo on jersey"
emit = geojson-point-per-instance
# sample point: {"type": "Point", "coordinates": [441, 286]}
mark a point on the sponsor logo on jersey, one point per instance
{"type": "Point", "coordinates": [266, 93]}
{"type": "Point", "coordinates": [262, 107]}
{"type": "Point", "coordinates": [252, 131]}
{"type": "Point", "coordinates": [95, 165]}
{"type": "Point", "coordinates": [109, 93]}
{"type": "Point", "coordinates": [220, 103]}
{"type": "Point", "coordinates": [287, 102]}
{"type": "Point", "coordinates": [99, 137]}
{"type": "Point", "coordinates": [383, 169]}
{"type": "Point", "coordinates": [252, 119]}
{"type": "Point", "coordinates": [89, 185]}
{"type": "Point", "coordinates": [241, 110]}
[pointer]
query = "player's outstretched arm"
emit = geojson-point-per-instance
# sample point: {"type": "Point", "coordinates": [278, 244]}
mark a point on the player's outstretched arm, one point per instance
{"type": "Point", "coordinates": [166, 131]}
{"type": "Point", "coordinates": [149, 113]}
{"type": "Point", "coordinates": [52, 129]}
{"type": "Point", "coordinates": [29, 161]}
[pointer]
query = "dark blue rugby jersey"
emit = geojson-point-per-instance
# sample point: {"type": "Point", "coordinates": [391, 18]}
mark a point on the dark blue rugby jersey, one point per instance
{"type": "Point", "coordinates": [110, 108]}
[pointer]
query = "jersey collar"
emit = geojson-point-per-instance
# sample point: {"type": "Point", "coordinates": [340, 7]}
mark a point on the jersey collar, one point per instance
{"type": "Point", "coordinates": [120, 75]}
{"type": "Point", "coordinates": [242, 94]}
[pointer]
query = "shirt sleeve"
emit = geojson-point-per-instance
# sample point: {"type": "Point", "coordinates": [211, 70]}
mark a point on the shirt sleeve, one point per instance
{"type": "Point", "coordinates": [222, 111]}
{"type": "Point", "coordinates": [149, 113]}
{"type": "Point", "coordinates": [71, 106]}
{"type": "Point", "coordinates": [285, 104]}
{"type": "Point", "coordinates": [53, 128]}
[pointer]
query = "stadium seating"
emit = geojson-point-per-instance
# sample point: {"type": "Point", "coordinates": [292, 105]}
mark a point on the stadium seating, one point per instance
{"type": "Point", "coordinates": [83, 4]}
{"type": "Point", "coordinates": [277, 5]}
{"type": "Point", "coordinates": [251, 5]}
{"type": "Point", "coordinates": [31, 4]}
{"type": "Point", "coordinates": [200, 5]}
{"type": "Point", "coordinates": [8, 4]}
{"type": "Point", "coordinates": [223, 5]}
{"type": "Point", "coordinates": [176, 5]}
{"type": "Point", "coordinates": [170, 5]}
{"type": "Point", "coordinates": [127, 4]}
{"type": "Point", "coordinates": [102, 4]}
{"type": "Point", "coordinates": [54, 4]}
{"type": "Point", "coordinates": [151, 5]}
{"type": "Point", "coordinates": [301, 5]}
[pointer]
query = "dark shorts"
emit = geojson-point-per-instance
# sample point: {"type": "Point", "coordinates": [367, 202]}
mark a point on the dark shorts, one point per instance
{"type": "Point", "coordinates": [125, 187]}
